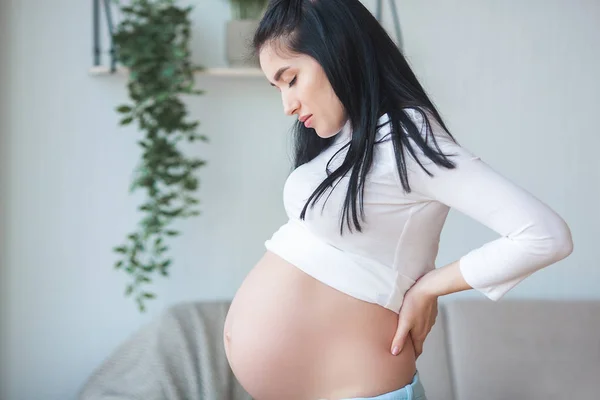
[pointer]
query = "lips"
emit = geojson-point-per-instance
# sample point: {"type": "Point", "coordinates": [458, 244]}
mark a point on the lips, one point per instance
{"type": "Point", "coordinates": [307, 120]}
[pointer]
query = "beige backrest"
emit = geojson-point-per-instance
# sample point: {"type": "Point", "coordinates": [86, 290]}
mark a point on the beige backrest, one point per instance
{"type": "Point", "coordinates": [524, 349]}
{"type": "Point", "coordinates": [434, 363]}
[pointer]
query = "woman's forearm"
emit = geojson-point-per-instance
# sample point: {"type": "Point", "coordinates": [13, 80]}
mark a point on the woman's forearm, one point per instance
{"type": "Point", "coordinates": [444, 280]}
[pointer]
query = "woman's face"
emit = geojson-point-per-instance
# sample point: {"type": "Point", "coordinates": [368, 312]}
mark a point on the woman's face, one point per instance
{"type": "Point", "coordinates": [305, 90]}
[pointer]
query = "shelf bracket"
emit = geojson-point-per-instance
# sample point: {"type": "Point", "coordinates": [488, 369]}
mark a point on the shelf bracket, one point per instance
{"type": "Point", "coordinates": [97, 45]}
{"type": "Point", "coordinates": [396, 17]}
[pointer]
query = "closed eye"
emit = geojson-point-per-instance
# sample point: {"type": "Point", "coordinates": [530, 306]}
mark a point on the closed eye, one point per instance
{"type": "Point", "coordinates": [293, 81]}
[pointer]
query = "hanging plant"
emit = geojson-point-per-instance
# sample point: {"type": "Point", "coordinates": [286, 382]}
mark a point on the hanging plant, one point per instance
{"type": "Point", "coordinates": [152, 42]}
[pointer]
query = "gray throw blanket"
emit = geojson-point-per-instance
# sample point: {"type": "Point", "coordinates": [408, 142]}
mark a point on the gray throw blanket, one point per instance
{"type": "Point", "coordinates": [179, 356]}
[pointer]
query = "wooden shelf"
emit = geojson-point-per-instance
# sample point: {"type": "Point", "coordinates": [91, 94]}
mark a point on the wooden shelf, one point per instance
{"type": "Point", "coordinates": [225, 71]}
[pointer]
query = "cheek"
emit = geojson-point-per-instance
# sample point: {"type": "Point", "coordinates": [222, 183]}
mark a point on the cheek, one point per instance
{"type": "Point", "coordinates": [333, 105]}
{"type": "Point", "coordinates": [308, 93]}
{"type": "Point", "coordinates": [320, 96]}
{"type": "Point", "coordinates": [313, 91]}
{"type": "Point", "coordinates": [332, 98]}
{"type": "Point", "coordinates": [327, 95]}
{"type": "Point", "coordinates": [317, 94]}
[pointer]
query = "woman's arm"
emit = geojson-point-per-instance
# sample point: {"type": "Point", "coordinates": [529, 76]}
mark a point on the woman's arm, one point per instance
{"type": "Point", "coordinates": [442, 281]}
{"type": "Point", "coordinates": [531, 234]}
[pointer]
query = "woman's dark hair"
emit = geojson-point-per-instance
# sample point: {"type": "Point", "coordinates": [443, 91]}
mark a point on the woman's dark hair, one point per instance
{"type": "Point", "coordinates": [369, 75]}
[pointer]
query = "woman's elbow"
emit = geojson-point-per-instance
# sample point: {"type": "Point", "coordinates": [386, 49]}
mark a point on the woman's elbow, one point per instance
{"type": "Point", "coordinates": [561, 245]}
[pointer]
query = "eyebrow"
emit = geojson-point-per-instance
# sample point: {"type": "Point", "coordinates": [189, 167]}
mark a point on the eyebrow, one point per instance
{"type": "Point", "coordinates": [278, 74]}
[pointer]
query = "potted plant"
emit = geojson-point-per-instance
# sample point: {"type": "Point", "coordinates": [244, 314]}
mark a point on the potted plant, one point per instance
{"type": "Point", "coordinates": [152, 42]}
{"type": "Point", "coordinates": [240, 29]}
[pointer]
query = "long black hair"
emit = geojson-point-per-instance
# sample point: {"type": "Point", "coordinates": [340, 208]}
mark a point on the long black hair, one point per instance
{"type": "Point", "coordinates": [369, 75]}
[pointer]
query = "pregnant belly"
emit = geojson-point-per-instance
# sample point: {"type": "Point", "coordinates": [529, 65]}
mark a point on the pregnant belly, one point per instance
{"type": "Point", "coordinates": [289, 336]}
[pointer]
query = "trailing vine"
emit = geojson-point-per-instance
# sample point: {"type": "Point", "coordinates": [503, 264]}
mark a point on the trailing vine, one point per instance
{"type": "Point", "coordinates": [152, 42]}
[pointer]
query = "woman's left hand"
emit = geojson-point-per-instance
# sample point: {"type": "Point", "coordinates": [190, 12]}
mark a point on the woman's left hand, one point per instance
{"type": "Point", "coordinates": [417, 316]}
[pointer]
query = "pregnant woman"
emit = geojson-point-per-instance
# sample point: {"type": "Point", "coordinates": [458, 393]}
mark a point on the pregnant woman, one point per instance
{"type": "Point", "coordinates": [342, 300]}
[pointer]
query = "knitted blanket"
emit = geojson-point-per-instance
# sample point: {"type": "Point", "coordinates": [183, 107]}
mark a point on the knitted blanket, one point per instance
{"type": "Point", "coordinates": [178, 356]}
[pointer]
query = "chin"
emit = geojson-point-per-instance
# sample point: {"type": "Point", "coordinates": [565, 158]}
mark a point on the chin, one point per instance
{"type": "Point", "coordinates": [326, 134]}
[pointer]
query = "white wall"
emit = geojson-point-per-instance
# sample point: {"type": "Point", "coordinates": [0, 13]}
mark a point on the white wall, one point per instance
{"type": "Point", "coordinates": [516, 81]}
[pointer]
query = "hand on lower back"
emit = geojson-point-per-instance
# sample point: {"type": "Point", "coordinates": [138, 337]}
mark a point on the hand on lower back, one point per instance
{"type": "Point", "coordinates": [416, 318]}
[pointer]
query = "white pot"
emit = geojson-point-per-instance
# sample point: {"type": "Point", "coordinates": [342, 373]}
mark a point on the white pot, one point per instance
{"type": "Point", "coordinates": [239, 43]}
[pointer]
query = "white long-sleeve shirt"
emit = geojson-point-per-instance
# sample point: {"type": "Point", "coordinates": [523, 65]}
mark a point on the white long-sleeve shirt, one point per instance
{"type": "Point", "coordinates": [400, 238]}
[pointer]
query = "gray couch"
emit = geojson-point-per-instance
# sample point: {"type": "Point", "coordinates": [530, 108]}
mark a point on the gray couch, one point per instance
{"type": "Point", "coordinates": [477, 350]}
{"type": "Point", "coordinates": [513, 349]}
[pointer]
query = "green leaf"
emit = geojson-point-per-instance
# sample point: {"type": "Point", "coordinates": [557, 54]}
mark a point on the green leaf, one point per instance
{"type": "Point", "coordinates": [140, 304]}
{"type": "Point", "coordinates": [129, 290]}
{"type": "Point", "coordinates": [149, 295]}
{"type": "Point", "coordinates": [124, 109]}
{"type": "Point", "coordinates": [149, 268]}
{"type": "Point", "coordinates": [118, 264]}
{"type": "Point", "coordinates": [191, 184]}
{"type": "Point", "coordinates": [145, 207]}
{"type": "Point", "coordinates": [126, 121]}
{"type": "Point", "coordinates": [198, 163]}
{"type": "Point", "coordinates": [120, 249]}
{"type": "Point", "coordinates": [191, 201]}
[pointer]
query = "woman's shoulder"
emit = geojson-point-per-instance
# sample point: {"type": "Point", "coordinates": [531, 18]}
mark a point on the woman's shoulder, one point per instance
{"type": "Point", "coordinates": [427, 137]}
{"type": "Point", "coordinates": [422, 119]}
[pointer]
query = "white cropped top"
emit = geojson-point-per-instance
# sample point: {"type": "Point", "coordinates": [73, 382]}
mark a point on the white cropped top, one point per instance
{"type": "Point", "coordinates": [400, 236]}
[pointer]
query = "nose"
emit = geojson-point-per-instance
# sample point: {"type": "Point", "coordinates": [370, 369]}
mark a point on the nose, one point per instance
{"type": "Point", "coordinates": [290, 103]}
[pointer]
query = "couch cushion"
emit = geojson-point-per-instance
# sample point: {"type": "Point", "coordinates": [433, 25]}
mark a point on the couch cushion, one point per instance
{"type": "Point", "coordinates": [433, 364]}
{"type": "Point", "coordinates": [533, 349]}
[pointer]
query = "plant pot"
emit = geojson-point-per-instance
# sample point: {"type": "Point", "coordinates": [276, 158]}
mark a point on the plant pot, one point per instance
{"type": "Point", "coordinates": [239, 43]}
